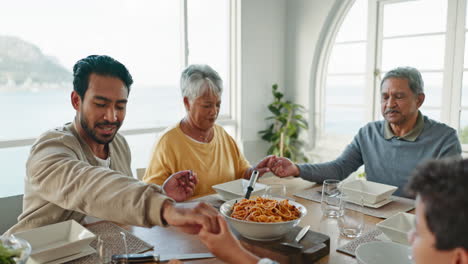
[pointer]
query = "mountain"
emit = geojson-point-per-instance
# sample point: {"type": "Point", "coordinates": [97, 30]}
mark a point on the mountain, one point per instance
{"type": "Point", "coordinates": [23, 63]}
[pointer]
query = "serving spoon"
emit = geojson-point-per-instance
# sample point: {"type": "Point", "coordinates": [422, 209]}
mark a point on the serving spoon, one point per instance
{"type": "Point", "coordinates": [298, 238]}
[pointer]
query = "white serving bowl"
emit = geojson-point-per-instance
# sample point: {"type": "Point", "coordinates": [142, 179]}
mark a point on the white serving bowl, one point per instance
{"type": "Point", "coordinates": [379, 252]}
{"type": "Point", "coordinates": [371, 192]}
{"type": "Point", "coordinates": [397, 227]}
{"type": "Point", "coordinates": [57, 240]}
{"type": "Point", "coordinates": [237, 189]}
{"type": "Point", "coordinates": [261, 231]}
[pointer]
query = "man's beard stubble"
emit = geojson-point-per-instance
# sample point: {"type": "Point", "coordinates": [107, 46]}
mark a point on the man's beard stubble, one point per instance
{"type": "Point", "coordinates": [92, 133]}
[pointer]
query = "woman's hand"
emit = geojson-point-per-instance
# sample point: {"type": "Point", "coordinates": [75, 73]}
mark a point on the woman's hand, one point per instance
{"type": "Point", "coordinates": [180, 185]}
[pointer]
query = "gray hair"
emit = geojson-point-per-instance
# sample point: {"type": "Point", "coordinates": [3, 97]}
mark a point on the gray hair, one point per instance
{"type": "Point", "coordinates": [413, 76]}
{"type": "Point", "coordinates": [195, 76]}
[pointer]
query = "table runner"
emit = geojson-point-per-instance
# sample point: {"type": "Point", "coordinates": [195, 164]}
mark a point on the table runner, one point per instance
{"type": "Point", "coordinates": [399, 204]}
{"type": "Point", "coordinates": [110, 233]}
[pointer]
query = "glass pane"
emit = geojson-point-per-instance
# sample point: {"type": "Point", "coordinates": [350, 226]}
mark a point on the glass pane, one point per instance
{"type": "Point", "coordinates": [348, 58]}
{"type": "Point", "coordinates": [432, 88]}
{"type": "Point", "coordinates": [209, 42]}
{"type": "Point", "coordinates": [464, 94]}
{"type": "Point", "coordinates": [337, 125]}
{"type": "Point", "coordinates": [463, 130]}
{"type": "Point", "coordinates": [414, 17]}
{"type": "Point", "coordinates": [431, 113]}
{"type": "Point", "coordinates": [354, 26]}
{"type": "Point", "coordinates": [345, 90]}
{"type": "Point", "coordinates": [141, 147]}
{"type": "Point", "coordinates": [465, 59]}
{"type": "Point", "coordinates": [426, 52]}
{"type": "Point", "coordinates": [13, 170]}
{"type": "Point", "coordinates": [143, 35]}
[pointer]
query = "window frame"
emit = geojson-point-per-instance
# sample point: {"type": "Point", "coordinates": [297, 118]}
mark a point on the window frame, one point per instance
{"type": "Point", "coordinates": [453, 67]}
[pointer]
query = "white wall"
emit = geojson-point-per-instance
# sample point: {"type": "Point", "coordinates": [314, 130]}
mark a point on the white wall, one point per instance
{"type": "Point", "coordinates": [306, 26]}
{"type": "Point", "coordinates": [278, 43]}
{"type": "Point", "coordinates": [262, 64]}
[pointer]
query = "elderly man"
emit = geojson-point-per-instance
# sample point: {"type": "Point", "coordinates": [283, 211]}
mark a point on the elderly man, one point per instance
{"type": "Point", "coordinates": [441, 233]}
{"type": "Point", "coordinates": [83, 168]}
{"type": "Point", "coordinates": [389, 149]}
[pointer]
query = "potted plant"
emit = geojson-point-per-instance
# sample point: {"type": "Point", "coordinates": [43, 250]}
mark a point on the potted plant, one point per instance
{"type": "Point", "coordinates": [283, 131]}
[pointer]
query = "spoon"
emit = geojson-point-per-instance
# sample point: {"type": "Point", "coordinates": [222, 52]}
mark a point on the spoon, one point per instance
{"type": "Point", "coordinates": [298, 238]}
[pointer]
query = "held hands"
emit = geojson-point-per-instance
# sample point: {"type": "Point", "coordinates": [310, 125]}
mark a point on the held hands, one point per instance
{"type": "Point", "coordinates": [180, 185]}
{"type": "Point", "coordinates": [282, 167]}
{"type": "Point", "coordinates": [224, 245]}
{"type": "Point", "coordinates": [191, 217]}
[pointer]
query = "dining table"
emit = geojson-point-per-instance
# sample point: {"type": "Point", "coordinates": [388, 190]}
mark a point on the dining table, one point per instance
{"type": "Point", "coordinates": [169, 240]}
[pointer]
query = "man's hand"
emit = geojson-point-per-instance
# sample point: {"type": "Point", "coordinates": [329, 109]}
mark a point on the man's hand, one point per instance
{"type": "Point", "coordinates": [225, 246]}
{"type": "Point", "coordinates": [283, 167]}
{"type": "Point", "coordinates": [180, 185]}
{"type": "Point", "coordinates": [191, 217]}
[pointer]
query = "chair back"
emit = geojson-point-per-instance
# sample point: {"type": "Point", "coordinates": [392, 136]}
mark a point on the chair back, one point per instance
{"type": "Point", "coordinates": [10, 208]}
{"type": "Point", "coordinates": [140, 172]}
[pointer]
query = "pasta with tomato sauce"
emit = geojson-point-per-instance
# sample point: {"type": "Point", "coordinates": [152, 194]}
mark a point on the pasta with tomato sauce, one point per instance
{"type": "Point", "coordinates": [265, 210]}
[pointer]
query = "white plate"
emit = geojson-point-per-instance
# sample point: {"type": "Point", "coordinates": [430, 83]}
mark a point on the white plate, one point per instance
{"type": "Point", "coordinates": [379, 252]}
{"type": "Point", "coordinates": [376, 205]}
{"type": "Point", "coordinates": [85, 252]}
{"type": "Point", "coordinates": [237, 189]}
{"type": "Point", "coordinates": [56, 241]}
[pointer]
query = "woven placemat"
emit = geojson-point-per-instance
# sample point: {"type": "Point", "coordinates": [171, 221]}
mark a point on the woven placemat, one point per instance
{"type": "Point", "coordinates": [110, 234]}
{"type": "Point", "coordinates": [399, 204]}
{"type": "Point", "coordinates": [350, 247]}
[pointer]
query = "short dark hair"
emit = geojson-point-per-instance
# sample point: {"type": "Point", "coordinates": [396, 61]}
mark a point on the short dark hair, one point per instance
{"type": "Point", "coordinates": [442, 186]}
{"type": "Point", "coordinates": [101, 65]}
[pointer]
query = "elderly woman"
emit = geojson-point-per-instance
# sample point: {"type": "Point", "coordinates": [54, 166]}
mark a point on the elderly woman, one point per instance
{"type": "Point", "coordinates": [196, 143]}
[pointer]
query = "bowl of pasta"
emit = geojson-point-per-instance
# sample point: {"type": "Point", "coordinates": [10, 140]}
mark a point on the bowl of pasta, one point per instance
{"type": "Point", "coordinates": [263, 218]}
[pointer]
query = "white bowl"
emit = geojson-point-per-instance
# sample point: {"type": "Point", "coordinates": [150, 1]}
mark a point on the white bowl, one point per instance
{"type": "Point", "coordinates": [397, 227]}
{"type": "Point", "coordinates": [237, 189]}
{"type": "Point", "coordinates": [57, 240]}
{"type": "Point", "coordinates": [379, 252]}
{"type": "Point", "coordinates": [371, 192]}
{"type": "Point", "coordinates": [261, 231]}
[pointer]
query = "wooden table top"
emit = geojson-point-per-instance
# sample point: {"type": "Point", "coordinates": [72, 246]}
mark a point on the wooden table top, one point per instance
{"type": "Point", "coordinates": [169, 240]}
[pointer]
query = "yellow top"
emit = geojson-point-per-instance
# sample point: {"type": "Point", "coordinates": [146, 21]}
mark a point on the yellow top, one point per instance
{"type": "Point", "coordinates": [215, 162]}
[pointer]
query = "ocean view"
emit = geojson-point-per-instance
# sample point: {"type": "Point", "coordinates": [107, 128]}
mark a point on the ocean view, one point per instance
{"type": "Point", "coordinates": [27, 114]}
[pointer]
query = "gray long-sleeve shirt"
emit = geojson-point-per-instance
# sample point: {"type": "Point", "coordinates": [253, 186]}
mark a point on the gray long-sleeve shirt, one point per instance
{"type": "Point", "coordinates": [388, 161]}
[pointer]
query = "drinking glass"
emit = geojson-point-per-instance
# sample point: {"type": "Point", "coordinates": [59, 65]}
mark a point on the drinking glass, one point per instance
{"type": "Point", "coordinates": [105, 249]}
{"type": "Point", "coordinates": [351, 222]}
{"type": "Point", "coordinates": [275, 190]}
{"type": "Point", "coordinates": [330, 202]}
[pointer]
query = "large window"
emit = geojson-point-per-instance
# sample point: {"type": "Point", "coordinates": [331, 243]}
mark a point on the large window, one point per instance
{"type": "Point", "coordinates": [41, 40]}
{"type": "Point", "coordinates": [426, 34]}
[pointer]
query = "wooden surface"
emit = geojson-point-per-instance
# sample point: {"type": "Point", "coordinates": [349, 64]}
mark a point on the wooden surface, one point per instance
{"type": "Point", "coordinates": [169, 240]}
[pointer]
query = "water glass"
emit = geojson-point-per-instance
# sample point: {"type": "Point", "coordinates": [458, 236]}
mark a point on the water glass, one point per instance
{"type": "Point", "coordinates": [330, 202]}
{"type": "Point", "coordinates": [275, 190]}
{"type": "Point", "coordinates": [106, 248]}
{"type": "Point", "coordinates": [351, 222]}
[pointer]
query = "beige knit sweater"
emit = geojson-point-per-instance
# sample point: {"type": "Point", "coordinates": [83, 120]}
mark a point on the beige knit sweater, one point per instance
{"type": "Point", "coordinates": [64, 181]}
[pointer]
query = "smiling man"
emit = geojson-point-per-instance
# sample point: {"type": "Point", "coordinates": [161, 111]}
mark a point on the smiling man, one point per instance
{"type": "Point", "coordinates": [441, 233]}
{"type": "Point", "coordinates": [83, 168]}
{"type": "Point", "coordinates": [389, 149]}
